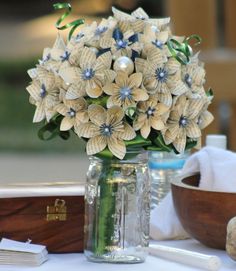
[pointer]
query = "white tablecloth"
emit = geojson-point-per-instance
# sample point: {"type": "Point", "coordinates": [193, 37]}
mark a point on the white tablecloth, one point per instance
{"type": "Point", "coordinates": [77, 262]}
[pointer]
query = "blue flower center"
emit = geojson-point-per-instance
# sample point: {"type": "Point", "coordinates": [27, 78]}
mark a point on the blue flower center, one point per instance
{"type": "Point", "coordinates": [159, 44]}
{"type": "Point", "coordinates": [161, 75]}
{"type": "Point", "coordinates": [72, 113]}
{"type": "Point", "coordinates": [79, 36]}
{"type": "Point", "coordinates": [140, 18]}
{"type": "Point", "coordinates": [188, 80]}
{"type": "Point", "coordinates": [125, 92]}
{"type": "Point", "coordinates": [183, 121]}
{"type": "Point", "coordinates": [88, 74]}
{"type": "Point", "coordinates": [121, 44]}
{"type": "Point", "coordinates": [65, 56]}
{"type": "Point", "coordinates": [106, 129]}
{"type": "Point", "coordinates": [150, 112]}
{"type": "Point", "coordinates": [45, 59]}
{"type": "Point", "coordinates": [100, 30]}
{"type": "Point", "coordinates": [43, 91]}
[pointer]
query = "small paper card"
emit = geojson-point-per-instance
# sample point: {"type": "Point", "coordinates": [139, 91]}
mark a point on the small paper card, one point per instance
{"type": "Point", "coordinates": [14, 252]}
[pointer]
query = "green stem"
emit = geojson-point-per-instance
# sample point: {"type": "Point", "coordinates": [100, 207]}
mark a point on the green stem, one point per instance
{"type": "Point", "coordinates": [104, 229]}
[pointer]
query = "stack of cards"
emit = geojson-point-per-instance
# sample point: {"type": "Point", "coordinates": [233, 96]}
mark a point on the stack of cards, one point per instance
{"type": "Point", "coordinates": [19, 253]}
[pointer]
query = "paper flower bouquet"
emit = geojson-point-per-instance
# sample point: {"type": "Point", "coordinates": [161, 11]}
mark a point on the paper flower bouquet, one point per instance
{"type": "Point", "coordinates": [124, 83]}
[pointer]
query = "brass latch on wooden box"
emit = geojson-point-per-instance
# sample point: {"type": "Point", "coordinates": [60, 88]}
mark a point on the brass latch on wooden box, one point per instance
{"type": "Point", "coordinates": [57, 212]}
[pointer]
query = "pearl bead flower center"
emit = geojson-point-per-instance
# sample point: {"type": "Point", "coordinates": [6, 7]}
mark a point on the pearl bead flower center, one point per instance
{"type": "Point", "coordinates": [121, 44]}
{"type": "Point", "coordinates": [46, 58]}
{"type": "Point", "coordinates": [100, 30]}
{"type": "Point", "coordinates": [65, 56]}
{"type": "Point", "coordinates": [158, 44]}
{"type": "Point", "coordinates": [188, 80]}
{"type": "Point", "coordinates": [43, 91]}
{"type": "Point", "coordinates": [106, 129]}
{"type": "Point", "coordinates": [125, 92]}
{"type": "Point", "coordinates": [79, 36]}
{"type": "Point", "coordinates": [183, 122]}
{"type": "Point", "coordinates": [72, 113]}
{"type": "Point", "coordinates": [161, 75]}
{"type": "Point", "coordinates": [150, 112]}
{"type": "Point", "coordinates": [88, 74]}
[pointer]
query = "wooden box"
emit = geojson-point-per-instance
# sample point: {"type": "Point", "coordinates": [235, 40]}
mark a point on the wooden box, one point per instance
{"type": "Point", "coordinates": [48, 214]}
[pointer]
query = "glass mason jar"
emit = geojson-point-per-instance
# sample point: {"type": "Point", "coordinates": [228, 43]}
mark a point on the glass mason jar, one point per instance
{"type": "Point", "coordinates": [163, 168]}
{"type": "Point", "coordinates": [117, 210]}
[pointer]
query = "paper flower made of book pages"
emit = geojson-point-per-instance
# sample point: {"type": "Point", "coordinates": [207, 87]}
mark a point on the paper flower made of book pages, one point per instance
{"type": "Point", "coordinates": [125, 83]}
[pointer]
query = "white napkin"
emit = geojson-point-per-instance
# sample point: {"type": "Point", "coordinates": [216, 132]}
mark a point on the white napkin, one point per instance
{"type": "Point", "coordinates": [218, 173]}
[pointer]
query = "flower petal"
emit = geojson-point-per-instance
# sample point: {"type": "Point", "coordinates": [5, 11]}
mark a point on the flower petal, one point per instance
{"type": "Point", "coordinates": [156, 56]}
{"type": "Point", "coordinates": [59, 43]}
{"type": "Point", "coordinates": [32, 73]}
{"type": "Point", "coordinates": [113, 100]}
{"type": "Point", "coordinates": [76, 90]}
{"type": "Point", "coordinates": [146, 129]}
{"type": "Point", "coordinates": [106, 42]}
{"type": "Point", "coordinates": [95, 145]}
{"type": "Point", "coordinates": [117, 147]}
{"type": "Point", "coordinates": [128, 132]}
{"type": "Point", "coordinates": [157, 124]}
{"type": "Point", "coordinates": [175, 129]}
{"type": "Point", "coordinates": [168, 137]}
{"type": "Point", "coordinates": [120, 15]}
{"type": "Point", "coordinates": [82, 116]}
{"type": "Point", "coordinates": [45, 77]}
{"type": "Point", "coordinates": [175, 115]}
{"type": "Point", "coordinates": [94, 91]}
{"type": "Point", "coordinates": [115, 114]}
{"type": "Point", "coordinates": [39, 114]}
{"type": "Point", "coordinates": [103, 61]}
{"type": "Point", "coordinates": [121, 79]}
{"type": "Point", "coordinates": [135, 80]}
{"type": "Point", "coordinates": [163, 36]}
{"type": "Point", "coordinates": [110, 89]}
{"type": "Point", "coordinates": [34, 90]}
{"type": "Point", "coordinates": [198, 76]}
{"type": "Point", "coordinates": [192, 129]}
{"type": "Point", "coordinates": [86, 130]}
{"type": "Point", "coordinates": [161, 109]}
{"type": "Point", "coordinates": [124, 25]}
{"type": "Point", "coordinates": [195, 106]}
{"type": "Point", "coordinates": [140, 121]}
{"type": "Point", "coordinates": [140, 64]}
{"type": "Point", "coordinates": [70, 74]}
{"type": "Point", "coordinates": [177, 87]}
{"type": "Point", "coordinates": [172, 65]}
{"type": "Point", "coordinates": [109, 75]}
{"type": "Point", "coordinates": [140, 95]}
{"type": "Point", "coordinates": [97, 114]}
{"type": "Point", "coordinates": [56, 54]}
{"type": "Point", "coordinates": [62, 109]}
{"type": "Point", "coordinates": [180, 143]}
{"type": "Point", "coordinates": [150, 84]}
{"type": "Point", "coordinates": [165, 98]}
{"type": "Point", "coordinates": [87, 59]}
{"type": "Point", "coordinates": [205, 119]}
{"type": "Point", "coordinates": [140, 13]}
{"type": "Point", "coordinates": [67, 123]}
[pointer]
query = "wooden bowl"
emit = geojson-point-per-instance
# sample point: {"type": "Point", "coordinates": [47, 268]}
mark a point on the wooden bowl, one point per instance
{"type": "Point", "coordinates": [203, 214]}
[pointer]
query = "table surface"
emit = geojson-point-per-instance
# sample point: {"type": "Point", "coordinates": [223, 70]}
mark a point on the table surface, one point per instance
{"type": "Point", "coordinates": [75, 262]}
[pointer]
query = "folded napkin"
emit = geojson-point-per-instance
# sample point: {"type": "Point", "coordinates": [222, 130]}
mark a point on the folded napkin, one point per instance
{"type": "Point", "coordinates": [218, 173]}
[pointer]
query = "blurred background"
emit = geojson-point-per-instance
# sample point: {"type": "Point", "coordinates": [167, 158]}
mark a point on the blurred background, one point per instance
{"type": "Point", "coordinates": [26, 27]}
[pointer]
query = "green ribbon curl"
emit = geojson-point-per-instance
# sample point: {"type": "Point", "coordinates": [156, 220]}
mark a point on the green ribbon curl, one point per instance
{"type": "Point", "coordinates": [73, 24]}
{"type": "Point", "coordinates": [182, 51]}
